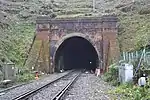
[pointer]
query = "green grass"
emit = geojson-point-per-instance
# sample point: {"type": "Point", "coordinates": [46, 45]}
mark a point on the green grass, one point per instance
{"type": "Point", "coordinates": [134, 31]}
{"type": "Point", "coordinates": [128, 91]}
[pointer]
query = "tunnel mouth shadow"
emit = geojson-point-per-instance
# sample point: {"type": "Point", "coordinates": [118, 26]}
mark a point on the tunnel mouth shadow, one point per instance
{"type": "Point", "coordinates": [76, 53]}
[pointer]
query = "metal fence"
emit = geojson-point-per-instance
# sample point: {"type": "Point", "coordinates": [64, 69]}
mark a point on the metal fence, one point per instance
{"type": "Point", "coordinates": [143, 55]}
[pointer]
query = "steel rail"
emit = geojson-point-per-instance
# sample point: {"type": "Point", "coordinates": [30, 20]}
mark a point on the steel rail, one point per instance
{"type": "Point", "coordinates": [19, 85]}
{"type": "Point", "coordinates": [13, 87]}
{"type": "Point", "coordinates": [63, 91]}
{"type": "Point", "coordinates": [32, 92]}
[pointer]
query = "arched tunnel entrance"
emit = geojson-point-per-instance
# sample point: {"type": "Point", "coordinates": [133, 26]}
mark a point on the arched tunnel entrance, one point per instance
{"type": "Point", "coordinates": [76, 53]}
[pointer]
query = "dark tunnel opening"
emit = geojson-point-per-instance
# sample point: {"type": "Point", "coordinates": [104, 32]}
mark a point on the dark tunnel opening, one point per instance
{"type": "Point", "coordinates": [76, 53]}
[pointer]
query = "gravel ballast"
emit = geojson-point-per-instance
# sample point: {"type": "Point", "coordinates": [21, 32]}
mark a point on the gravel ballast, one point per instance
{"type": "Point", "coordinates": [89, 87]}
{"type": "Point", "coordinates": [49, 92]}
{"type": "Point", "coordinates": [28, 87]}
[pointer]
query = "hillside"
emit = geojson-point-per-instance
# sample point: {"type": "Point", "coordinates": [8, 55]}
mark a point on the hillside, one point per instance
{"type": "Point", "coordinates": [18, 18]}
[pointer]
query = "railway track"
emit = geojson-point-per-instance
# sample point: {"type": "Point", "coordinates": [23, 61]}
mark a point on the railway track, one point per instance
{"type": "Point", "coordinates": [13, 92]}
{"type": "Point", "coordinates": [51, 91]}
{"type": "Point", "coordinates": [15, 86]}
{"type": "Point", "coordinates": [12, 87]}
{"type": "Point", "coordinates": [63, 91]}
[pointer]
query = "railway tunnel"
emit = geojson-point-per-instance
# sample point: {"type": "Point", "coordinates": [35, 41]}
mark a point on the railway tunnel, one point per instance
{"type": "Point", "coordinates": [76, 53]}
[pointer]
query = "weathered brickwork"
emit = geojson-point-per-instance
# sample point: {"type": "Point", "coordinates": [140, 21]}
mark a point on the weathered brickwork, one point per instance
{"type": "Point", "coordinates": [100, 32]}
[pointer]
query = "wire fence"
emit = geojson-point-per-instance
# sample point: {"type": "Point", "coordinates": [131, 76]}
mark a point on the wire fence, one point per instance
{"type": "Point", "coordinates": [143, 55]}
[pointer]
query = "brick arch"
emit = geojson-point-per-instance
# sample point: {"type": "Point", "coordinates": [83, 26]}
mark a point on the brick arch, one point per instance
{"type": "Point", "coordinates": [70, 35]}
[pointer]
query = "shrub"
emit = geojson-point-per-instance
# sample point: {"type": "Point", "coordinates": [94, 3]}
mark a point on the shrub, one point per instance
{"type": "Point", "coordinates": [132, 92]}
{"type": "Point", "coordinates": [25, 77]}
{"type": "Point", "coordinates": [144, 11]}
{"type": "Point", "coordinates": [112, 75]}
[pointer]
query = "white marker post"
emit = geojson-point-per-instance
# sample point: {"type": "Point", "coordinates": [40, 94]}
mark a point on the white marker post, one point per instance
{"type": "Point", "coordinates": [93, 5]}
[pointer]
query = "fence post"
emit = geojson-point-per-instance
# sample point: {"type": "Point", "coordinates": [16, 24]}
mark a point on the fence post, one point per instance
{"type": "Point", "coordinates": [132, 56]}
{"type": "Point", "coordinates": [144, 55]}
{"type": "Point", "coordinates": [129, 57]}
{"type": "Point", "coordinates": [137, 54]}
{"type": "Point", "coordinates": [139, 64]}
{"type": "Point", "coordinates": [124, 56]}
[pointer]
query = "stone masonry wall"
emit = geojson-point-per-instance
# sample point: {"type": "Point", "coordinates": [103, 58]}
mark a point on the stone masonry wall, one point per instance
{"type": "Point", "coordinates": [101, 32]}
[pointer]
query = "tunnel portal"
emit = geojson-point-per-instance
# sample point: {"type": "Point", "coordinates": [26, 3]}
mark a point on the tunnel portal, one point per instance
{"type": "Point", "coordinates": [76, 53]}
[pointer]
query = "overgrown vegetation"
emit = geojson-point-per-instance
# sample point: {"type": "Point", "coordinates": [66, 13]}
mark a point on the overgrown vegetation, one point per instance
{"type": "Point", "coordinates": [25, 77]}
{"type": "Point", "coordinates": [135, 32]}
{"type": "Point", "coordinates": [17, 28]}
{"type": "Point", "coordinates": [129, 91]}
{"type": "Point", "coordinates": [112, 75]}
{"type": "Point", "coordinates": [15, 42]}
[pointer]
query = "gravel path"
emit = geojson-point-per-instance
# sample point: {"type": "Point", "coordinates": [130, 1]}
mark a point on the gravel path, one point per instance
{"type": "Point", "coordinates": [49, 92]}
{"type": "Point", "coordinates": [19, 90]}
{"type": "Point", "coordinates": [89, 87]}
